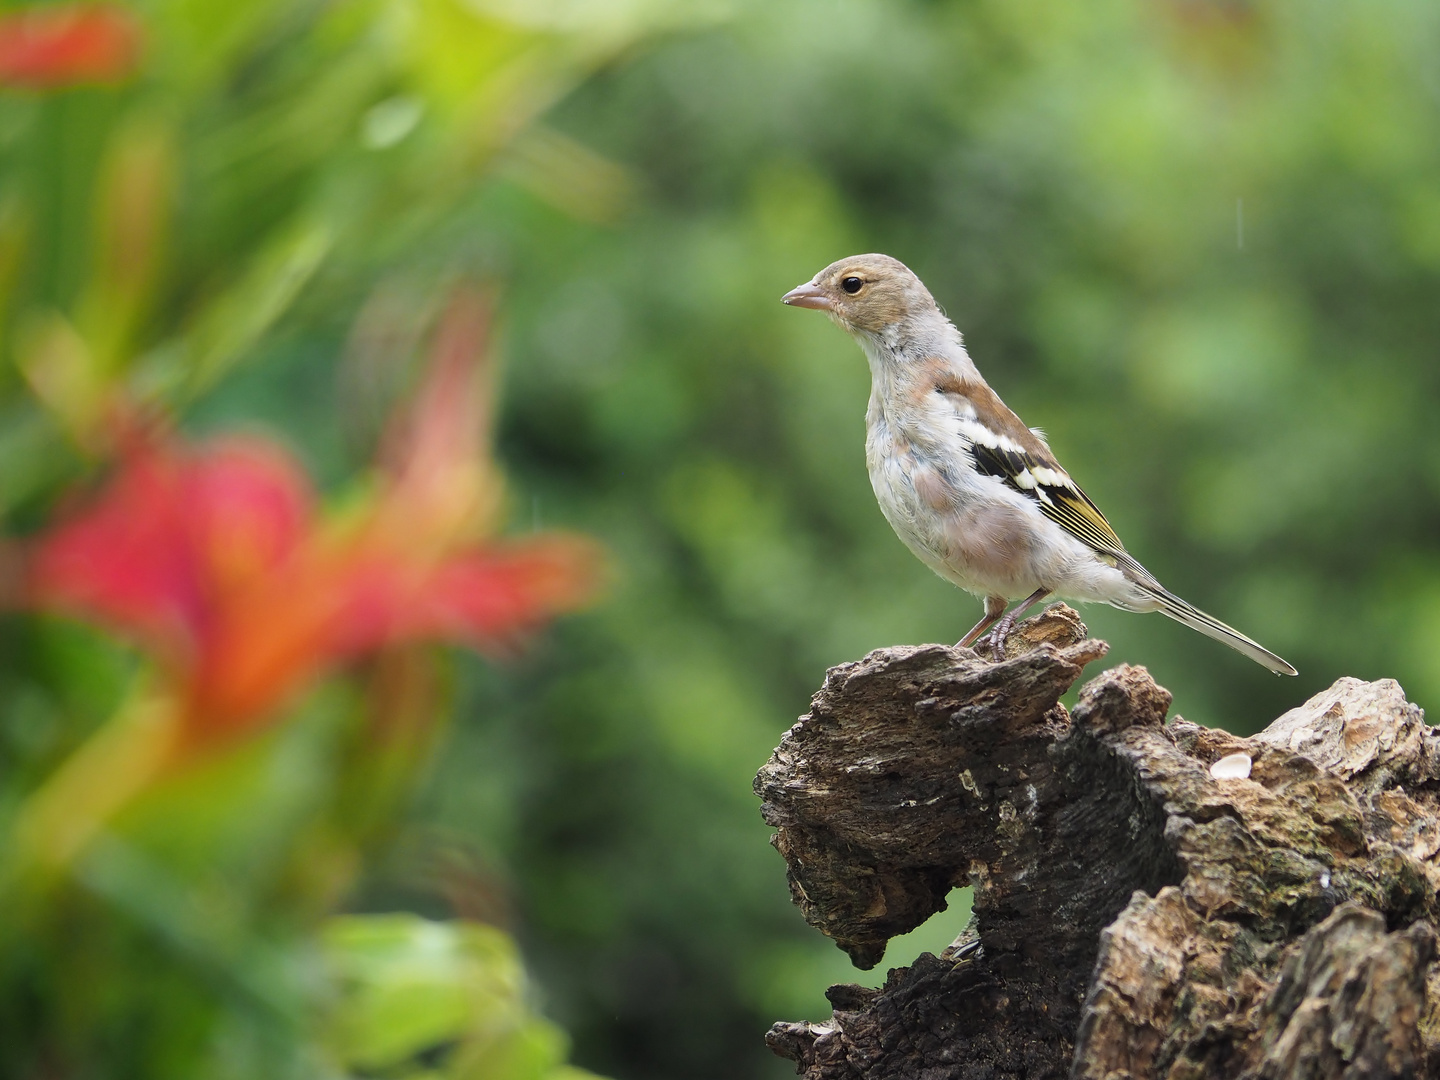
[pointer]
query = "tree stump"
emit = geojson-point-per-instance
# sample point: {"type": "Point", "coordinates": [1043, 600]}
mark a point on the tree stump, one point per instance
{"type": "Point", "coordinates": [1139, 910]}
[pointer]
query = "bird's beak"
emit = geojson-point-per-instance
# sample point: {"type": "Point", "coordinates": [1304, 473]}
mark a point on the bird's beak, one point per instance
{"type": "Point", "coordinates": [809, 295]}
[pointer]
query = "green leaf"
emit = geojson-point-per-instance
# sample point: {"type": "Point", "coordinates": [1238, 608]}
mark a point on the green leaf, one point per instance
{"type": "Point", "coordinates": [409, 990]}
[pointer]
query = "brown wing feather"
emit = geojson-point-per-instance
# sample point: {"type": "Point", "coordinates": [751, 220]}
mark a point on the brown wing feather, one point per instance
{"type": "Point", "coordinates": [1005, 448]}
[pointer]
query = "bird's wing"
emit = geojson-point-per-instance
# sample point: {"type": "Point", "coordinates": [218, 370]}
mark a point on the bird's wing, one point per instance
{"type": "Point", "coordinates": [1005, 448]}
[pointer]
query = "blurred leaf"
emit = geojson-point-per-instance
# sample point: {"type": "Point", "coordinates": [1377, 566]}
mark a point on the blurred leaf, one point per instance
{"type": "Point", "coordinates": [14, 233]}
{"type": "Point", "coordinates": [570, 176]}
{"type": "Point", "coordinates": [135, 196]}
{"type": "Point", "coordinates": [411, 990]}
{"type": "Point", "coordinates": [78, 800]}
{"type": "Point", "coordinates": [65, 374]}
{"type": "Point", "coordinates": [233, 322]}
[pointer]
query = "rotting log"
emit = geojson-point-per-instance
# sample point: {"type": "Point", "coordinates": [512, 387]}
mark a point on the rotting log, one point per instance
{"type": "Point", "coordinates": [1134, 916]}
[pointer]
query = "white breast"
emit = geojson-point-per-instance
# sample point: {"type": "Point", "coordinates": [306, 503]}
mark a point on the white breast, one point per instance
{"type": "Point", "coordinates": [970, 528]}
{"type": "Point", "coordinates": [920, 495]}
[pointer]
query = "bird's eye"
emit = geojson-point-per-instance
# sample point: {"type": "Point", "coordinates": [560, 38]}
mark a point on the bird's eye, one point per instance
{"type": "Point", "coordinates": [851, 285]}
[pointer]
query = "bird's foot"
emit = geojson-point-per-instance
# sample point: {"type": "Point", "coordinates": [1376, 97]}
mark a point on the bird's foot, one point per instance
{"type": "Point", "coordinates": [997, 636]}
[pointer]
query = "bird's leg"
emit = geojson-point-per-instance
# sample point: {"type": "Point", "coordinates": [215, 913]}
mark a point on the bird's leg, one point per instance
{"type": "Point", "coordinates": [994, 608]}
{"type": "Point", "coordinates": [1003, 628]}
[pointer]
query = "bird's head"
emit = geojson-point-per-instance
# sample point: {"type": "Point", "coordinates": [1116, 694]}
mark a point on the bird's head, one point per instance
{"type": "Point", "coordinates": [865, 293]}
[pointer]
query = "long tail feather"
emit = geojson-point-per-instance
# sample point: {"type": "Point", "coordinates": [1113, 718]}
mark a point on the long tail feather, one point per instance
{"type": "Point", "coordinates": [1211, 627]}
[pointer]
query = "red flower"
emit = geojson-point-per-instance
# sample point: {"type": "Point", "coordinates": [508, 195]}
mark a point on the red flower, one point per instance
{"type": "Point", "coordinates": [65, 44]}
{"type": "Point", "coordinates": [172, 534]}
{"type": "Point", "coordinates": [215, 559]}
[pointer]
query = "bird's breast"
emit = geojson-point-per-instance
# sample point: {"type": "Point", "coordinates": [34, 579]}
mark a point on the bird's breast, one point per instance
{"type": "Point", "coordinates": [917, 493]}
{"type": "Point", "coordinates": [965, 526]}
{"type": "Point", "coordinates": [911, 474]}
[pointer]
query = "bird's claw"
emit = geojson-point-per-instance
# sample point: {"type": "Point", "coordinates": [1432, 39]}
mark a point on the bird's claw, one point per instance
{"type": "Point", "coordinates": [997, 636]}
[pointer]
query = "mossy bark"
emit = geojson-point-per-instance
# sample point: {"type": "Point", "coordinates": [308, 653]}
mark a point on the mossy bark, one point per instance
{"type": "Point", "coordinates": [1134, 916]}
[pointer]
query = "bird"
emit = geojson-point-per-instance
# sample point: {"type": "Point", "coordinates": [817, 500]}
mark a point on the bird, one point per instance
{"type": "Point", "coordinates": [975, 494]}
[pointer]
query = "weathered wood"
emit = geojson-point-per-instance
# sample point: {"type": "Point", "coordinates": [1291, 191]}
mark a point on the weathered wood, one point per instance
{"type": "Point", "coordinates": [1134, 916]}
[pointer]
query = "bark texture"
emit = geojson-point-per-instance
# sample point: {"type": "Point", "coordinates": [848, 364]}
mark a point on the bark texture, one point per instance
{"type": "Point", "coordinates": [1134, 915]}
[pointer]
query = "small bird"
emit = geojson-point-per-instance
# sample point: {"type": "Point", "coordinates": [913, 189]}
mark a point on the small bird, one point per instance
{"type": "Point", "coordinates": [974, 493]}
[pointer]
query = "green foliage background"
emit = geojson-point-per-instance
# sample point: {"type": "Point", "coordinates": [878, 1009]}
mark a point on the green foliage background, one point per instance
{"type": "Point", "coordinates": [1198, 242]}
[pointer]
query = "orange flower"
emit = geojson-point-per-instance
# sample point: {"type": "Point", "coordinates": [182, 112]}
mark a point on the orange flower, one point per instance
{"type": "Point", "coordinates": [66, 44]}
{"type": "Point", "coordinates": [215, 559]}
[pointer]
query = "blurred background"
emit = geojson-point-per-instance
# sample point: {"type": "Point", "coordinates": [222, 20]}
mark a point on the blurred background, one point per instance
{"type": "Point", "coordinates": [330, 328]}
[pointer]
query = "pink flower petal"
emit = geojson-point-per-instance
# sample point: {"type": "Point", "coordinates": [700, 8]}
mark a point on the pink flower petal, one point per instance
{"type": "Point", "coordinates": [67, 44]}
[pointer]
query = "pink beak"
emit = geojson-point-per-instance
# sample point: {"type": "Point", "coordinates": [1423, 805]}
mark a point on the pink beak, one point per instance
{"type": "Point", "coordinates": [809, 295]}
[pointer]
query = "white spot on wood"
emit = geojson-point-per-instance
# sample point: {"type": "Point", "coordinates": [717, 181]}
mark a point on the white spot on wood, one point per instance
{"type": "Point", "coordinates": [1232, 767]}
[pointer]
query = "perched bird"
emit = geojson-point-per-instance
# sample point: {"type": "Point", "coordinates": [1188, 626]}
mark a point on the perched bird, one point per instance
{"type": "Point", "coordinates": [972, 491]}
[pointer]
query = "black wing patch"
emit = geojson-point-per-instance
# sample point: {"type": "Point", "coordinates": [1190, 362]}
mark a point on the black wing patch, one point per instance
{"type": "Point", "coordinates": [1058, 497]}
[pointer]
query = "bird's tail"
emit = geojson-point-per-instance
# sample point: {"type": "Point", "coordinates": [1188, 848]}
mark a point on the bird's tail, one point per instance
{"type": "Point", "coordinates": [1211, 627]}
